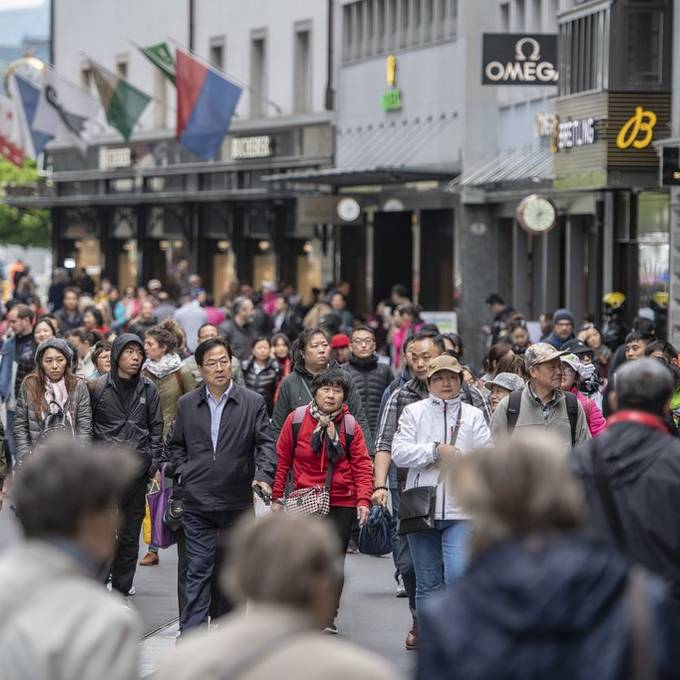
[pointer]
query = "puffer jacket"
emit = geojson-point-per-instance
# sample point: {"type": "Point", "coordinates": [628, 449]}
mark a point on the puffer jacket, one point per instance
{"type": "Point", "coordinates": [553, 607]}
{"type": "Point", "coordinates": [371, 378]}
{"type": "Point", "coordinates": [295, 391]}
{"type": "Point", "coordinates": [28, 422]}
{"type": "Point", "coordinates": [170, 389]}
{"type": "Point", "coordinates": [424, 424]}
{"type": "Point", "coordinates": [137, 423]}
{"type": "Point", "coordinates": [352, 479]}
{"type": "Point", "coordinates": [263, 383]}
{"type": "Point", "coordinates": [596, 422]}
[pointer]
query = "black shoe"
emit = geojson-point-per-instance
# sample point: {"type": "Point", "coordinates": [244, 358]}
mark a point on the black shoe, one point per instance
{"type": "Point", "coordinates": [352, 548]}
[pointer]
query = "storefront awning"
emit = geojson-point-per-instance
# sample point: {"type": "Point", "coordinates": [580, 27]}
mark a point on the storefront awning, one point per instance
{"type": "Point", "coordinates": [508, 170]}
{"type": "Point", "coordinates": [360, 176]}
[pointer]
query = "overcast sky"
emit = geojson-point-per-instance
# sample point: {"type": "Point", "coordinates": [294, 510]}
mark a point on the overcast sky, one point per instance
{"type": "Point", "coordinates": [20, 4]}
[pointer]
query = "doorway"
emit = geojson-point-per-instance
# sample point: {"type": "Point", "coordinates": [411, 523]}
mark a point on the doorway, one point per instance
{"type": "Point", "coordinates": [392, 253]}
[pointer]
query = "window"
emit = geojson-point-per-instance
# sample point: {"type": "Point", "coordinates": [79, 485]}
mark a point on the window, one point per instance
{"type": "Point", "coordinates": [505, 17]}
{"type": "Point", "coordinates": [428, 20]}
{"type": "Point", "coordinates": [645, 38]}
{"type": "Point", "coordinates": [370, 27]}
{"type": "Point", "coordinates": [122, 66]}
{"type": "Point", "coordinates": [452, 18]}
{"type": "Point", "coordinates": [584, 50]}
{"type": "Point", "coordinates": [216, 55]}
{"type": "Point", "coordinates": [380, 26]}
{"type": "Point", "coordinates": [347, 30]}
{"type": "Point", "coordinates": [404, 23]}
{"type": "Point", "coordinates": [302, 69]}
{"type": "Point", "coordinates": [537, 15]}
{"type": "Point", "coordinates": [520, 16]}
{"type": "Point", "coordinates": [258, 75]}
{"type": "Point", "coordinates": [160, 99]}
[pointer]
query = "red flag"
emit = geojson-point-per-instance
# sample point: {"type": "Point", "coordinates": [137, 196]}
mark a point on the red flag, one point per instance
{"type": "Point", "coordinates": [9, 132]}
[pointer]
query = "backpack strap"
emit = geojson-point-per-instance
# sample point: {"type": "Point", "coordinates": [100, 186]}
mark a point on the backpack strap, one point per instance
{"type": "Point", "coordinates": [349, 424]}
{"type": "Point", "coordinates": [572, 413]}
{"type": "Point", "coordinates": [514, 405]}
{"type": "Point", "coordinates": [298, 417]}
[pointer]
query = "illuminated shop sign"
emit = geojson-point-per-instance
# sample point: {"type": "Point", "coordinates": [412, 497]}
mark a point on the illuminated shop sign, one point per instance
{"type": "Point", "coordinates": [519, 59]}
{"type": "Point", "coordinates": [391, 99]}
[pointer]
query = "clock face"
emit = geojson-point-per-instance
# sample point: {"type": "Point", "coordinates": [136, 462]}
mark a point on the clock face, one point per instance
{"type": "Point", "coordinates": [537, 214]}
{"type": "Point", "coordinates": [348, 209]}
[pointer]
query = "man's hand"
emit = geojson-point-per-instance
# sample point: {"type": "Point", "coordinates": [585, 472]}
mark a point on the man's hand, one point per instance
{"type": "Point", "coordinates": [447, 453]}
{"type": "Point", "coordinates": [264, 486]}
{"type": "Point", "coordinates": [157, 476]}
{"type": "Point", "coordinates": [379, 497]}
{"type": "Point", "coordinates": [362, 515]}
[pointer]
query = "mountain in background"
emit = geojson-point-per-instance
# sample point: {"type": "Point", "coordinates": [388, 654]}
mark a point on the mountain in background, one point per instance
{"type": "Point", "coordinates": [18, 24]}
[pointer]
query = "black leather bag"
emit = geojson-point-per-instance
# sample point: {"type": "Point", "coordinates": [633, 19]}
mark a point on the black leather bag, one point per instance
{"type": "Point", "coordinates": [416, 509]}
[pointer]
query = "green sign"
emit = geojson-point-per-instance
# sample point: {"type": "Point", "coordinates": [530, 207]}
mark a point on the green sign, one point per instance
{"type": "Point", "coordinates": [391, 100]}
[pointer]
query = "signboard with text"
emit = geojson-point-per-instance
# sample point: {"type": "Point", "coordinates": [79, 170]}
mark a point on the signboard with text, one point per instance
{"type": "Point", "coordinates": [519, 59]}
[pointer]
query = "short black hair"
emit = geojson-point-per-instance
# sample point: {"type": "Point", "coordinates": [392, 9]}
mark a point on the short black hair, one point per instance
{"type": "Point", "coordinates": [638, 336]}
{"type": "Point", "coordinates": [98, 316]}
{"type": "Point", "coordinates": [365, 329]}
{"type": "Point", "coordinates": [333, 376]}
{"type": "Point", "coordinates": [261, 338]}
{"type": "Point", "coordinates": [206, 325]}
{"type": "Point", "coordinates": [494, 299]}
{"type": "Point", "coordinates": [78, 479]}
{"type": "Point", "coordinates": [400, 290]}
{"type": "Point", "coordinates": [645, 325]}
{"type": "Point", "coordinates": [209, 344]}
{"type": "Point", "coordinates": [71, 289]}
{"type": "Point", "coordinates": [644, 385]}
{"type": "Point", "coordinates": [661, 346]}
{"type": "Point", "coordinates": [437, 340]}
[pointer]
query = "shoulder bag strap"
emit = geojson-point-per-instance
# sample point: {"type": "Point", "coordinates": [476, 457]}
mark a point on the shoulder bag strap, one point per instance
{"type": "Point", "coordinates": [456, 429]}
{"type": "Point", "coordinates": [512, 413]}
{"type": "Point", "coordinates": [606, 497]}
{"type": "Point", "coordinates": [180, 381]}
{"type": "Point", "coordinates": [572, 413]}
{"type": "Point", "coordinates": [642, 628]}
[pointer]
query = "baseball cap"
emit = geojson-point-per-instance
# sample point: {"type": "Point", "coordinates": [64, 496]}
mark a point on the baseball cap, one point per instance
{"type": "Point", "coordinates": [508, 381]}
{"type": "Point", "coordinates": [339, 341]}
{"type": "Point", "coordinates": [154, 284]}
{"type": "Point", "coordinates": [577, 347]}
{"type": "Point", "coordinates": [571, 360]}
{"type": "Point", "coordinates": [444, 363]}
{"type": "Point", "coordinates": [540, 353]}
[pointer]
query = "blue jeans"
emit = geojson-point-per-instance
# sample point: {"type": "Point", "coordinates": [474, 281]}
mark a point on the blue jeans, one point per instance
{"type": "Point", "coordinates": [439, 556]}
{"type": "Point", "coordinates": [9, 437]}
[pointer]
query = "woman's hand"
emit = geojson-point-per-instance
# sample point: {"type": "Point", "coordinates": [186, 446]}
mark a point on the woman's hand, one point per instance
{"type": "Point", "coordinates": [362, 515]}
{"type": "Point", "coordinates": [379, 497]}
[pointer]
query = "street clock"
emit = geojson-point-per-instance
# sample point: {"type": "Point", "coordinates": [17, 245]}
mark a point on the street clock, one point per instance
{"type": "Point", "coordinates": [536, 214]}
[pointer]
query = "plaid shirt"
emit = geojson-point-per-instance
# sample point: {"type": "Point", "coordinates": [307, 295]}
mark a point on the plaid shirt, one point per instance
{"type": "Point", "coordinates": [410, 393]}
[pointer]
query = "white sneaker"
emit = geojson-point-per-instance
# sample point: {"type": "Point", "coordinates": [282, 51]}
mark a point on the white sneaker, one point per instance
{"type": "Point", "coordinates": [401, 591]}
{"type": "Point", "coordinates": [132, 592]}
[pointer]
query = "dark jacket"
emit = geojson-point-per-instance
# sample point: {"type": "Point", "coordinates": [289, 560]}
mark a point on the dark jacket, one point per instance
{"type": "Point", "coordinates": [642, 466]}
{"type": "Point", "coordinates": [371, 378]}
{"type": "Point", "coordinates": [240, 338]}
{"type": "Point", "coordinates": [263, 383]}
{"type": "Point", "coordinates": [220, 479]}
{"type": "Point", "coordinates": [68, 323]}
{"type": "Point", "coordinates": [555, 610]}
{"type": "Point", "coordinates": [556, 342]}
{"type": "Point", "coordinates": [295, 391]}
{"type": "Point", "coordinates": [137, 422]}
{"type": "Point", "coordinates": [140, 327]}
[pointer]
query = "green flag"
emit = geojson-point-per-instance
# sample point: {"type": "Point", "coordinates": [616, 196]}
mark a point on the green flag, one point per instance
{"type": "Point", "coordinates": [159, 55]}
{"type": "Point", "coordinates": [122, 102]}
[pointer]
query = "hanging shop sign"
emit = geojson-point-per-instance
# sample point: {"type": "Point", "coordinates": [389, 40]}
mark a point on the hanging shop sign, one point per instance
{"type": "Point", "coordinates": [251, 147]}
{"type": "Point", "coordinates": [391, 99]}
{"type": "Point", "coordinates": [519, 59]}
{"type": "Point", "coordinates": [670, 168]}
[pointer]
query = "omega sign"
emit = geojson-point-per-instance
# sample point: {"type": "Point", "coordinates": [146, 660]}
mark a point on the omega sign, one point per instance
{"type": "Point", "coordinates": [519, 59]}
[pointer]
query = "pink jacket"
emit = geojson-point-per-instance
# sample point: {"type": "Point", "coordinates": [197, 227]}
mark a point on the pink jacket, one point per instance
{"type": "Point", "coordinates": [596, 422]}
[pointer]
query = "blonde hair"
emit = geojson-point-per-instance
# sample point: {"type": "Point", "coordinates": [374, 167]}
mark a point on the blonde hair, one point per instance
{"type": "Point", "coordinates": [281, 559]}
{"type": "Point", "coordinates": [520, 487]}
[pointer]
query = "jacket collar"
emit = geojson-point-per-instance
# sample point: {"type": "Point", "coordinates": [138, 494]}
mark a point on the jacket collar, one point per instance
{"type": "Point", "coordinates": [639, 418]}
{"type": "Point", "coordinates": [414, 385]}
{"type": "Point", "coordinates": [370, 362]}
{"type": "Point", "coordinates": [439, 404]}
{"type": "Point", "coordinates": [232, 393]}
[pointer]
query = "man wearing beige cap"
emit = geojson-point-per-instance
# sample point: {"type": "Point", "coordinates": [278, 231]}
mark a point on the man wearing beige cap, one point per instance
{"type": "Point", "coordinates": [431, 434]}
{"type": "Point", "coordinates": [542, 404]}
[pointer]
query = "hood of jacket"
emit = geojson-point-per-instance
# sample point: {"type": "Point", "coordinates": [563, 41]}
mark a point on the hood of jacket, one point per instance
{"type": "Point", "coordinates": [561, 586]}
{"type": "Point", "coordinates": [119, 345]}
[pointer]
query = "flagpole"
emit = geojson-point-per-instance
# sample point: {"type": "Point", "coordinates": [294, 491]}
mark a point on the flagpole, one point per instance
{"type": "Point", "coordinates": [219, 72]}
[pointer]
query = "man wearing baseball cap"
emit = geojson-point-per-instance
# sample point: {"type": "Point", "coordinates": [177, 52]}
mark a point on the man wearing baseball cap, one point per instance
{"type": "Point", "coordinates": [542, 404]}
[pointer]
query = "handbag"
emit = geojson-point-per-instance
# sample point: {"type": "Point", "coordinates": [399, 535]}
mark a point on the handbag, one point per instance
{"type": "Point", "coordinates": [417, 504]}
{"type": "Point", "coordinates": [375, 537]}
{"type": "Point", "coordinates": [58, 423]}
{"type": "Point", "coordinates": [158, 500]}
{"type": "Point", "coordinates": [314, 500]}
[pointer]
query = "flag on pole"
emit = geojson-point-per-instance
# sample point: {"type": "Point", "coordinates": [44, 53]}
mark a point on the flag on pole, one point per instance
{"type": "Point", "coordinates": [123, 103]}
{"type": "Point", "coordinates": [26, 94]}
{"type": "Point", "coordinates": [161, 57]}
{"type": "Point", "coordinates": [64, 110]}
{"type": "Point", "coordinates": [206, 102]}
{"type": "Point", "coordinates": [10, 138]}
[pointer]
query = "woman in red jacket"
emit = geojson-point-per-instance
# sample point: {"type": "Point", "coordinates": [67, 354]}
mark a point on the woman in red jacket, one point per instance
{"type": "Point", "coordinates": [323, 433]}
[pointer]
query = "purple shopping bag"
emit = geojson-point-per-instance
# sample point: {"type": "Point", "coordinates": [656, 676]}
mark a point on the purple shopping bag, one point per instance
{"type": "Point", "coordinates": [161, 536]}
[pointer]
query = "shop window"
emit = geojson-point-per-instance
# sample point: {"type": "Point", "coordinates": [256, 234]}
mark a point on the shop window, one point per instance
{"type": "Point", "coordinates": [653, 244]}
{"type": "Point", "coordinates": [645, 39]}
{"type": "Point", "coordinates": [302, 71]}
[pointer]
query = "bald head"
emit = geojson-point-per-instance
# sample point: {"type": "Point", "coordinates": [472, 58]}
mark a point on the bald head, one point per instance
{"type": "Point", "coordinates": [645, 385]}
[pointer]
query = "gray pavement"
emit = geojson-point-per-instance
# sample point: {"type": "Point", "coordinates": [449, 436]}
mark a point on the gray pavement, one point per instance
{"type": "Point", "coordinates": [370, 614]}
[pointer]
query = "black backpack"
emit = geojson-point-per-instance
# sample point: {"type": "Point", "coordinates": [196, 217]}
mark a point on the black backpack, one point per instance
{"type": "Point", "coordinates": [514, 405]}
{"type": "Point", "coordinates": [58, 423]}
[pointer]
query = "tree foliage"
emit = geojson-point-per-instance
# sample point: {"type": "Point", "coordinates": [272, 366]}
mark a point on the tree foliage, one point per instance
{"type": "Point", "coordinates": [25, 227]}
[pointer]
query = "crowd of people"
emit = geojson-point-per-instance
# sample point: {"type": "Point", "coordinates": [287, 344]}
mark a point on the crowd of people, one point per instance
{"type": "Point", "coordinates": [488, 471]}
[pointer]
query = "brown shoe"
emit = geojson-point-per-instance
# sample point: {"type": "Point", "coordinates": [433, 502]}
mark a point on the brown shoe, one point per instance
{"type": "Point", "coordinates": [149, 560]}
{"type": "Point", "coordinates": [411, 642]}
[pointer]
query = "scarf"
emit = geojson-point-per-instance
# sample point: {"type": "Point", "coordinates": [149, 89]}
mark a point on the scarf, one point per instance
{"type": "Point", "coordinates": [321, 433]}
{"type": "Point", "coordinates": [56, 396]}
{"type": "Point", "coordinates": [168, 364]}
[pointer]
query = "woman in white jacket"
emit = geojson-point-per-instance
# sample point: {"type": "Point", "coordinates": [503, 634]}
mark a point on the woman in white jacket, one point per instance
{"type": "Point", "coordinates": [431, 433]}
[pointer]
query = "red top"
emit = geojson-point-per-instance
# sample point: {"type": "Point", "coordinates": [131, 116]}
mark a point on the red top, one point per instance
{"type": "Point", "coordinates": [352, 480]}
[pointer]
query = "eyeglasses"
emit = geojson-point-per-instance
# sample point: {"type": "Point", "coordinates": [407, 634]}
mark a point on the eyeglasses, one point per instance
{"type": "Point", "coordinates": [212, 365]}
{"type": "Point", "coordinates": [362, 342]}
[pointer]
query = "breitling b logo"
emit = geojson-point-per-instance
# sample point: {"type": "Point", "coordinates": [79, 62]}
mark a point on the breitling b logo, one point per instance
{"type": "Point", "coordinates": [638, 130]}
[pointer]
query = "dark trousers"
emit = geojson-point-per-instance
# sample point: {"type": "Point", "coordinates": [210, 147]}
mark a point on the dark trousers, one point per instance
{"type": "Point", "coordinates": [204, 540]}
{"type": "Point", "coordinates": [124, 562]}
{"type": "Point", "coordinates": [342, 519]}
{"type": "Point", "coordinates": [401, 551]}
{"type": "Point", "coordinates": [181, 570]}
